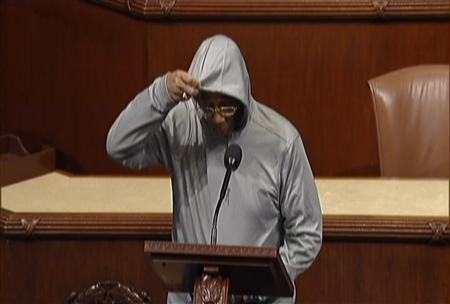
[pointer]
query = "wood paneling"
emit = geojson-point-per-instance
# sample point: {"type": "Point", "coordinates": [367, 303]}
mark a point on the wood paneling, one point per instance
{"type": "Point", "coordinates": [47, 268]}
{"type": "Point", "coordinates": [363, 259]}
{"type": "Point", "coordinates": [316, 75]}
{"type": "Point", "coordinates": [69, 68]}
{"type": "Point", "coordinates": [373, 272]}
{"type": "Point", "coordinates": [48, 271]}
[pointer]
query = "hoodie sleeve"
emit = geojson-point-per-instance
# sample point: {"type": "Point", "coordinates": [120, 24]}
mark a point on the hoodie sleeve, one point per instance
{"type": "Point", "coordinates": [137, 138]}
{"type": "Point", "coordinates": [300, 209]}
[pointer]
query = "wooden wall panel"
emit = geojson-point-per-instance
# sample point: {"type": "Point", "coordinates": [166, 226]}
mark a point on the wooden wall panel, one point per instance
{"type": "Point", "coordinates": [315, 73]}
{"type": "Point", "coordinates": [377, 272]}
{"type": "Point", "coordinates": [370, 260]}
{"type": "Point", "coordinates": [48, 271]}
{"type": "Point", "coordinates": [68, 69]}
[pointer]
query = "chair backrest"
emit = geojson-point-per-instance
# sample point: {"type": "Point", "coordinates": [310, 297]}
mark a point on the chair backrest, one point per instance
{"type": "Point", "coordinates": [412, 117]}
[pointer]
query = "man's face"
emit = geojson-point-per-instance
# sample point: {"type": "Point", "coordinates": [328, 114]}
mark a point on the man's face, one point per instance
{"type": "Point", "coordinates": [221, 111]}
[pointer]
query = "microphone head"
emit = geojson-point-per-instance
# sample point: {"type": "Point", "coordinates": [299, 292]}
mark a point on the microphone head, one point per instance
{"type": "Point", "coordinates": [233, 157]}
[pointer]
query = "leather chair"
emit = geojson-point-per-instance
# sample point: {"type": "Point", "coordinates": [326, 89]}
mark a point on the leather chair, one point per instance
{"type": "Point", "coordinates": [412, 118]}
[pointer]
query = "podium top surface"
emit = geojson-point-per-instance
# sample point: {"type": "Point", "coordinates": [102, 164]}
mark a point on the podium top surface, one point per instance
{"type": "Point", "coordinates": [251, 270]}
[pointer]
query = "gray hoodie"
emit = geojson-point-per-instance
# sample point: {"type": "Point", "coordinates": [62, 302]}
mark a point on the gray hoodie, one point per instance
{"type": "Point", "coordinates": [272, 199]}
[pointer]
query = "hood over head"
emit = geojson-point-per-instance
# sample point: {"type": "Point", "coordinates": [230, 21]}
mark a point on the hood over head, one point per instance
{"type": "Point", "coordinates": [220, 67]}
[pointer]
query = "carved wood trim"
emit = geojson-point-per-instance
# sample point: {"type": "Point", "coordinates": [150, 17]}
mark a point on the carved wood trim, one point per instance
{"type": "Point", "coordinates": [219, 250]}
{"type": "Point", "coordinates": [160, 226]}
{"type": "Point", "coordinates": [380, 6]}
{"type": "Point", "coordinates": [109, 292]}
{"type": "Point", "coordinates": [114, 225]}
{"type": "Point", "coordinates": [212, 290]}
{"type": "Point", "coordinates": [272, 9]}
{"type": "Point", "coordinates": [386, 228]}
{"type": "Point", "coordinates": [166, 6]}
{"type": "Point", "coordinates": [439, 230]}
{"type": "Point", "coordinates": [4, 215]}
{"type": "Point", "coordinates": [29, 225]}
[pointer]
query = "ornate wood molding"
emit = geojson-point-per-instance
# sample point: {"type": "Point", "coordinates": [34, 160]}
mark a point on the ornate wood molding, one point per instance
{"type": "Point", "coordinates": [40, 225]}
{"type": "Point", "coordinates": [433, 230]}
{"type": "Point", "coordinates": [380, 6]}
{"type": "Point", "coordinates": [439, 231]}
{"type": "Point", "coordinates": [219, 250]}
{"type": "Point", "coordinates": [109, 292]}
{"type": "Point", "coordinates": [4, 215]}
{"type": "Point", "coordinates": [166, 6]}
{"type": "Point", "coordinates": [29, 225]}
{"type": "Point", "coordinates": [114, 225]}
{"type": "Point", "coordinates": [212, 290]}
{"type": "Point", "coordinates": [272, 9]}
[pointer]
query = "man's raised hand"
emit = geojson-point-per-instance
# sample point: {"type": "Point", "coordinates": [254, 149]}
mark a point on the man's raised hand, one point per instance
{"type": "Point", "coordinates": [182, 85]}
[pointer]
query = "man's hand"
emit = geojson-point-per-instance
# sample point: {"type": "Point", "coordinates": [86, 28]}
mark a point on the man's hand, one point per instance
{"type": "Point", "coordinates": [182, 85]}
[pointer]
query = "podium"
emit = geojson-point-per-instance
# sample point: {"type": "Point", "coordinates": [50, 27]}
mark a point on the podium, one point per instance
{"type": "Point", "coordinates": [214, 272]}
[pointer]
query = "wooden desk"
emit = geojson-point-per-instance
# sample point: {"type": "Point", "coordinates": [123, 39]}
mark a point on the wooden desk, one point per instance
{"type": "Point", "coordinates": [385, 240]}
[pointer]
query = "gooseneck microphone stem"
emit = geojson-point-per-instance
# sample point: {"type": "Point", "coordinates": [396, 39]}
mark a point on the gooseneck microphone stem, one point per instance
{"type": "Point", "coordinates": [223, 191]}
{"type": "Point", "coordinates": [232, 160]}
{"type": "Point", "coordinates": [225, 183]}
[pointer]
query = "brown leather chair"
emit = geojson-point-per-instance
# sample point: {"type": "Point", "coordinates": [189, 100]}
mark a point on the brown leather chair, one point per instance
{"type": "Point", "coordinates": [412, 117]}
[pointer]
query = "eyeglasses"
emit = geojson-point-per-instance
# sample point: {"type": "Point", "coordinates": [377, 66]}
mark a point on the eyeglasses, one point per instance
{"type": "Point", "coordinates": [225, 111]}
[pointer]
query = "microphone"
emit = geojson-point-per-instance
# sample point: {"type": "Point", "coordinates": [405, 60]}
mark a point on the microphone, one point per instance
{"type": "Point", "coordinates": [232, 160]}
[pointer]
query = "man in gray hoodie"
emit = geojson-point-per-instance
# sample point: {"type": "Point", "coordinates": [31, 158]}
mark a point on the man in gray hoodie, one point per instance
{"type": "Point", "coordinates": [186, 121]}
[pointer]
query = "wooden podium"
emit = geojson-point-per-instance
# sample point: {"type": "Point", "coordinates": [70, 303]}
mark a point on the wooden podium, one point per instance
{"type": "Point", "coordinates": [215, 272]}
